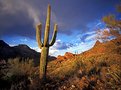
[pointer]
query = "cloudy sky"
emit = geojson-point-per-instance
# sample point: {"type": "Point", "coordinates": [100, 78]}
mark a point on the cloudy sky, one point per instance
{"type": "Point", "coordinates": [77, 20]}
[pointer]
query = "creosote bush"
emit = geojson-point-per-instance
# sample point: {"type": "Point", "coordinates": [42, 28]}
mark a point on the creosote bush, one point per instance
{"type": "Point", "coordinates": [17, 74]}
{"type": "Point", "coordinates": [98, 72]}
{"type": "Point", "coordinates": [20, 67]}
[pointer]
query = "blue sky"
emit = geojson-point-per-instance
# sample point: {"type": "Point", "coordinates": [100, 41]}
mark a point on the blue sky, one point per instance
{"type": "Point", "coordinates": [78, 21]}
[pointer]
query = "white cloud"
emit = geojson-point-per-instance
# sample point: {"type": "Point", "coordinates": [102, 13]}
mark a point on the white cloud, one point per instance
{"type": "Point", "coordinates": [77, 48]}
{"type": "Point", "coordinates": [99, 23]}
{"type": "Point", "coordinates": [81, 47]}
{"type": "Point", "coordinates": [24, 40]}
{"type": "Point", "coordinates": [53, 51]}
{"type": "Point", "coordinates": [24, 6]}
{"type": "Point", "coordinates": [91, 37]}
{"type": "Point", "coordinates": [36, 49]}
{"type": "Point", "coordinates": [11, 45]}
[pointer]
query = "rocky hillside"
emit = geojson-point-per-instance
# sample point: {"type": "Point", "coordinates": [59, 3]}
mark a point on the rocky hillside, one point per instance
{"type": "Point", "coordinates": [111, 47]}
{"type": "Point", "coordinates": [96, 69]}
{"type": "Point", "coordinates": [67, 55]}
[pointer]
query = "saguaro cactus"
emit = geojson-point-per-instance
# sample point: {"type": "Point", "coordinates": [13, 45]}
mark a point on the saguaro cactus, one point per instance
{"type": "Point", "coordinates": [45, 45]}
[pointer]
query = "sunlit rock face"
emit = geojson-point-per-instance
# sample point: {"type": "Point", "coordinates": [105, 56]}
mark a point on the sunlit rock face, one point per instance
{"type": "Point", "coordinates": [97, 43]}
{"type": "Point", "coordinates": [67, 56]}
{"type": "Point", "coordinates": [113, 46]}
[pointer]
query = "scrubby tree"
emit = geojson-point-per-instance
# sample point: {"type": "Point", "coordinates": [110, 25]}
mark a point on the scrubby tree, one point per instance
{"type": "Point", "coordinates": [112, 29]}
{"type": "Point", "coordinates": [113, 24]}
{"type": "Point", "coordinates": [103, 35]}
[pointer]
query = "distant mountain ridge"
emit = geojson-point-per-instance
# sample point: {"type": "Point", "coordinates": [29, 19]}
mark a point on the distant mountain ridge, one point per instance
{"type": "Point", "coordinates": [21, 51]}
{"type": "Point", "coordinates": [3, 44]}
{"type": "Point", "coordinates": [112, 47]}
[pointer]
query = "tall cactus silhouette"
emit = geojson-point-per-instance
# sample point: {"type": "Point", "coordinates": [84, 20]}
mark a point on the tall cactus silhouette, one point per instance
{"type": "Point", "coordinates": [45, 45]}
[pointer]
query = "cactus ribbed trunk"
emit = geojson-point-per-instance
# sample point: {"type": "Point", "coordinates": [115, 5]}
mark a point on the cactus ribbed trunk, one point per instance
{"type": "Point", "coordinates": [45, 45]}
{"type": "Point", "coordinates": [43, 62]}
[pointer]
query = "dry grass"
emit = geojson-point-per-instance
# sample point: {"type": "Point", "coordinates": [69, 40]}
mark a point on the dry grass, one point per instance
{"type": "Point", "coordinates": [96, 69]}
{"type": "Point", "coordinates": [98, 72]}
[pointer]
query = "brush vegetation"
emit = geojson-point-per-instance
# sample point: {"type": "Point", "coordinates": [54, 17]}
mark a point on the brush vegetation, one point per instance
{"type": "Point", "coordinates": [87, 71]}
{"type": "Point", "coordinates": [96, 69]}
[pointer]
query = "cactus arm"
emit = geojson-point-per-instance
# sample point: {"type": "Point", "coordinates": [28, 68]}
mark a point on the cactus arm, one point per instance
{"type": "Point", "coordinates": [38, 35]}
{"type": "Point", "coordinates": [47, 27]}
{"type": "Point", "coordinates": [54, 35]}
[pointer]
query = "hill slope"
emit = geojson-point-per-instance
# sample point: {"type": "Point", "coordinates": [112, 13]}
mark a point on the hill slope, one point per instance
{"type": "Point", "coordinates": [22, 51]}
{"type": "Point", "coordinates": [96, 69]}
{"type": "Point", "coordinates": [111, 47]}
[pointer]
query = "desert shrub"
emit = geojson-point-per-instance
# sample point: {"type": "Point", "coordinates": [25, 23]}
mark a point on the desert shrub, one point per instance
{"type": "Point", "coordinates": [3, 71]}
{"type": "Point", "coordinates": [66, 69]}
{"type": "Point", "coordinates": [23, 67]}
{"type": "Point", "coordinates": [102, 63]}
{"type": "Point", "coordinates": [18, 74]}
{"type": "Point", "coordinates": [19, 82]}
{"type": "Point", "coordinates": [3, 68]}
{"type": "Point", "coordinates": [114, 74]}
{"type": "Point", "coordinates": [76, 83]}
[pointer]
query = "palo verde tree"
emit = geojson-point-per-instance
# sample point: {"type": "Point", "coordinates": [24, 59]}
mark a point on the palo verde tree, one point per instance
{"type": "Point", "coordinates": [113, 27]}
{"type": "Point", "coordinates": [113, 23]}
{"type": "Point", "coordinates": [45, 45]}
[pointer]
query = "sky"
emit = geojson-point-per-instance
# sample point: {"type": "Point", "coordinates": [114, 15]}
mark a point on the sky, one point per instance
{"type": "Point", "coordinates": [77, 22]}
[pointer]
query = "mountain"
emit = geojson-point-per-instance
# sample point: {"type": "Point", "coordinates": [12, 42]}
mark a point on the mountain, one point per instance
{"type": "Point", "coordinates": [91, 70]}
{"type": "Point", "coordinates": [109, 47]}
{"type": "Point", "coordinates": [3, 44]}
{"type": "Point", "coordinates": [22, 51]}
{"type": "Point", "coordinates": [96, 69]}
{"type": "Point", "coordinates": [25, 51]}
{"type": "Point", "coordinates": [67, 55]}
{"type": "Point", "coordinates": [6, 51]}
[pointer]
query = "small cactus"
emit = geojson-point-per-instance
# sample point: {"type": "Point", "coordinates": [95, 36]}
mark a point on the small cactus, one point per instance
{"type": "Point", "coordinates": [45, 45]}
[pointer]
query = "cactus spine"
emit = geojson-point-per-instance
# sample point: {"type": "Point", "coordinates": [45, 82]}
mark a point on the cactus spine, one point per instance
{"type": "Point", "coordinates": [45, 45]}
